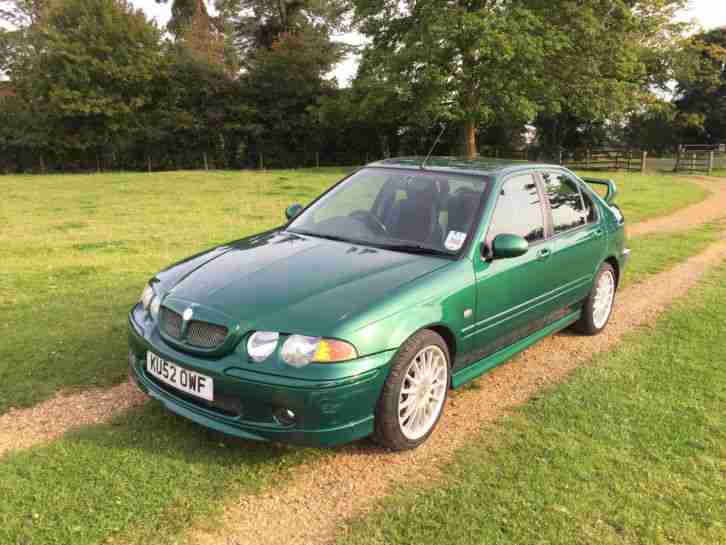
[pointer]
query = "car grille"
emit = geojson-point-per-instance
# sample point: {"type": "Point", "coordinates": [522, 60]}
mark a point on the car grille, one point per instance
{"type": "Point", "coordinates": [206, 335]}
{"type": "Point", "coordinates": [199, 334]}
{"type": "Point", "coordinates": [171, 323]}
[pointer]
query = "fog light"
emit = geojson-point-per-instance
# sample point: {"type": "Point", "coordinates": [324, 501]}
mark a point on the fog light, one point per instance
{"type": "Point", "coordinates": [284, 416]}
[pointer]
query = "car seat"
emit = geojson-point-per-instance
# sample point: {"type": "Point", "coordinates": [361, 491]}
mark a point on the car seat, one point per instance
{"type": "Point", "coordinates": [416, 218]}
{"type": "Point", "coordinates": [462, 207]}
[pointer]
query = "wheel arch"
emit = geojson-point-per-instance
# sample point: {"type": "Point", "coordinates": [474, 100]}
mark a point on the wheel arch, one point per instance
{"type": "Point", "coordinates": [613, 262]}
{"type": "Point", "coordinates": [448, 336]}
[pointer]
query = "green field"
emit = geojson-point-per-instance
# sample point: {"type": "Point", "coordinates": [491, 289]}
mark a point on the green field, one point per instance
{"type": "Point", "coordinates": [631, 450]}
{"type": "Point", "coordinates": [77, 251]}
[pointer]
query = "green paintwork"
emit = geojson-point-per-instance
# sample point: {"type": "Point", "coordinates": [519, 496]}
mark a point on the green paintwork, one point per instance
{"type": "Point", "coordinates": [611, 188]}
{"type": "Point", "coordinates": [375, 299]}
{"type": "Point", "coordinates": [508, 246]}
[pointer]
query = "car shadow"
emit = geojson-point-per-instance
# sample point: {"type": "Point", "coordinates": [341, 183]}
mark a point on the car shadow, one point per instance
{"type": "Point", "coordinates": [162, 434]}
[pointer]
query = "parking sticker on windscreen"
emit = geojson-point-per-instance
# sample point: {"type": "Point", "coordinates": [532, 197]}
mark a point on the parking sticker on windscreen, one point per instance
{"type": "Point", "coordinates": [455, 240]}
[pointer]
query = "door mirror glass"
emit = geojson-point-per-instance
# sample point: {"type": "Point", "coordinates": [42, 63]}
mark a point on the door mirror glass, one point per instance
{"type": "Point", "coordinates": [506, 246]}
{"type": "Point", "coordinates": [293, 210]}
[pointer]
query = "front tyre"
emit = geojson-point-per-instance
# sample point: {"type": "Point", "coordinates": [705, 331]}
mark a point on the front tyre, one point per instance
{"type": "Point", "coordinates": [599, 303]}
{"type": "Point", "coordinates": [414, 394]}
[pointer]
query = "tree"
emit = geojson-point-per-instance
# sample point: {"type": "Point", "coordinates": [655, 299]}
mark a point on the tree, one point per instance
{"type": "Point", "coordinates": [199, 115]}
{"type": "Point", "coordinates": [611, 55]}
{"type": "Point", "coordinates": [203, 35]}
{"type": "Point", "coordinates": [259, 24]}
{"type": "Point", "coordinates": [701, 92]}
{"type": "Point", "coordinates": [285, 84]}
{"type": "Point", "coordinates": [475, 62]}
{"type": "Point", "coordinates": [90, 70]}
{"type": "Point", "coordinates": [286, 51]}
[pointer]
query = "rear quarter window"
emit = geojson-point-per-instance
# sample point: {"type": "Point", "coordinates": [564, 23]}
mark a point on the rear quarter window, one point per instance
{"type": "Point", "coordinates": [566, 202]}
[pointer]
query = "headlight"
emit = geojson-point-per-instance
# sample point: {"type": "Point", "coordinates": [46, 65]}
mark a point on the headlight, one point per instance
{"type": "Point", "coordinates": [300, 350]}
{"type": "Point", "coordinates": [146, 296]}
{"type": "Point", "coordinates": [261, 344]}
{"type": "Point", "coordinates": [154, 307]}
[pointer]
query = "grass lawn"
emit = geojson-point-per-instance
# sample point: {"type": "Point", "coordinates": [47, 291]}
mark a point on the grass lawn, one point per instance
{"type": "Point", "coordinates": [141, 479]}
{"type": "Point", "coordinates": [656, 252]}
{"type": "Point", "coordinates": [78, 249]}
{"type": "Point", "coordinates": [631, 450]}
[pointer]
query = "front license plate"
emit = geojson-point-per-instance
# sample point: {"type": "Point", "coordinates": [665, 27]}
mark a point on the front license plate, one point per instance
{"type": "Point", "coordinates": [180, 378]}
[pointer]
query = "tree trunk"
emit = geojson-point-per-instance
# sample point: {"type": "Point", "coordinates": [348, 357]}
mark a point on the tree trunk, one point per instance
{"type": "Point", "coordinates": [148, 162]}
{"type": "Point", "coordinates": [42, 165]}
{"type": "Point", "coordinates": [470, 139]}
{"type": "Point", "coordinates": [206, 163]}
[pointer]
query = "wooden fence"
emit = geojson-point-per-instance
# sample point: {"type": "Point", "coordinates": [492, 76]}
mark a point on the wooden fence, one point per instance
{"type": "Point", "coordinates": [698, 158]}
{"type": "Point", "coordinates": [629, 159]}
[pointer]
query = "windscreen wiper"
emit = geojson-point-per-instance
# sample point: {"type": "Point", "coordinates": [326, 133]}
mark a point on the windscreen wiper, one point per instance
{"type": "Point", "coordinates": [326, 237]}
{"type": "Point", "coordinates": [414, 249]}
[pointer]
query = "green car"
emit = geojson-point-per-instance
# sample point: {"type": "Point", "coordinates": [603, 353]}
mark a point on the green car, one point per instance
{"type": "Point", "coordinates": [403, 280]}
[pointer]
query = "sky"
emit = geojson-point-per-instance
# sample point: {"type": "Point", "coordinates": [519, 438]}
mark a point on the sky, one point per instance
{"type": "Point", "coordinates": [707, 13]}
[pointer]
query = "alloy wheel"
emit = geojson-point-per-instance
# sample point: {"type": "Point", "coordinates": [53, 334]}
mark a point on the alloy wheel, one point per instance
{"type": "Point", "coordinates": [423, 392]}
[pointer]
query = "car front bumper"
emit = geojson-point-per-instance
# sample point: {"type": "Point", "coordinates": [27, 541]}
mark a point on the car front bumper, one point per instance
{"type": "Point", "coordinates": [247, 402]}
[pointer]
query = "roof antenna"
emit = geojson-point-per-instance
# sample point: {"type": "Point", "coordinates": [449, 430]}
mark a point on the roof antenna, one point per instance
{"type": "Point", "coordinates": [436, 143]}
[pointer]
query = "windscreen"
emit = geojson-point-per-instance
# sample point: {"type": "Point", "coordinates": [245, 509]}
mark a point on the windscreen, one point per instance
{"type": "Point", "coordinates": [398, 209]}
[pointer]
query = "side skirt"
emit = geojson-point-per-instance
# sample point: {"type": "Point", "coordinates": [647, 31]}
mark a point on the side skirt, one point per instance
{"type": "Point", "coordinates": [470, 372]}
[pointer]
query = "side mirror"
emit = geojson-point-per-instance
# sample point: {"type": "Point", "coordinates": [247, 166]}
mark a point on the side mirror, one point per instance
{"type": "Point", "coordinates": [507, 246]}
{"type": "Point", "coordinates": [293, 210]}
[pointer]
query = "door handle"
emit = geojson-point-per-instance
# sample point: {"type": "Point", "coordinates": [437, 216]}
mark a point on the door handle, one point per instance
{"type": "Point", "coordinates": [543, 254]}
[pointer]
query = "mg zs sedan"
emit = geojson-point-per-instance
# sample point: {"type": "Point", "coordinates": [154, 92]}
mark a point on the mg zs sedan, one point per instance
{"type": "Point", "coordinates": [358, 315]}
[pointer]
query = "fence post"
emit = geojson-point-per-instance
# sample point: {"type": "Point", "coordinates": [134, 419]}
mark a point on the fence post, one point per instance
{"type": "Point", "coordinates": [710, 162]}
{"type": "Point", "coordinates": [643, 161]}
{"type": "Point", "coordinates": [678, 159]}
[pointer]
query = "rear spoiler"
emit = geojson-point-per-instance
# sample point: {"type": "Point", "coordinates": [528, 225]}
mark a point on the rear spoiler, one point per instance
{"type": "Point", "coordinates": [612, 189]}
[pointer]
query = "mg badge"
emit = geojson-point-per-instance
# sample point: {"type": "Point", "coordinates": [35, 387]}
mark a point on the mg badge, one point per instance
{"type": "Point", "coordinates": [188, 313]}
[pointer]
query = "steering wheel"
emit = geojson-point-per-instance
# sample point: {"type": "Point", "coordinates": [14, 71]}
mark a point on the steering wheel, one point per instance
{"type": "Point", "coordinates": [371, 219]}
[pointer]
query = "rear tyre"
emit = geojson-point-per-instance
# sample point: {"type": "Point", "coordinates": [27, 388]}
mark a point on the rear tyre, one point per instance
{"type": "Point", "coordinates": [414, 394]}
{"type": "Point", "coordinates": [598, 306]}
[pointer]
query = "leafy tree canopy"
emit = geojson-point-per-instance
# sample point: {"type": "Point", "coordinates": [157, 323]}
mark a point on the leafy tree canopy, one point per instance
{"type": "Point", "coordinates": [702, 90]}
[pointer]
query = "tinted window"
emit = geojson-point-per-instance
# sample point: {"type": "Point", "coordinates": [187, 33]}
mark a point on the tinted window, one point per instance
{"type": "Point", "coordinates": [590, 212]}
{"type": "Point", "coordinates": [518, 211]}
{"type": "Point", "coordinates": [568, 210]}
